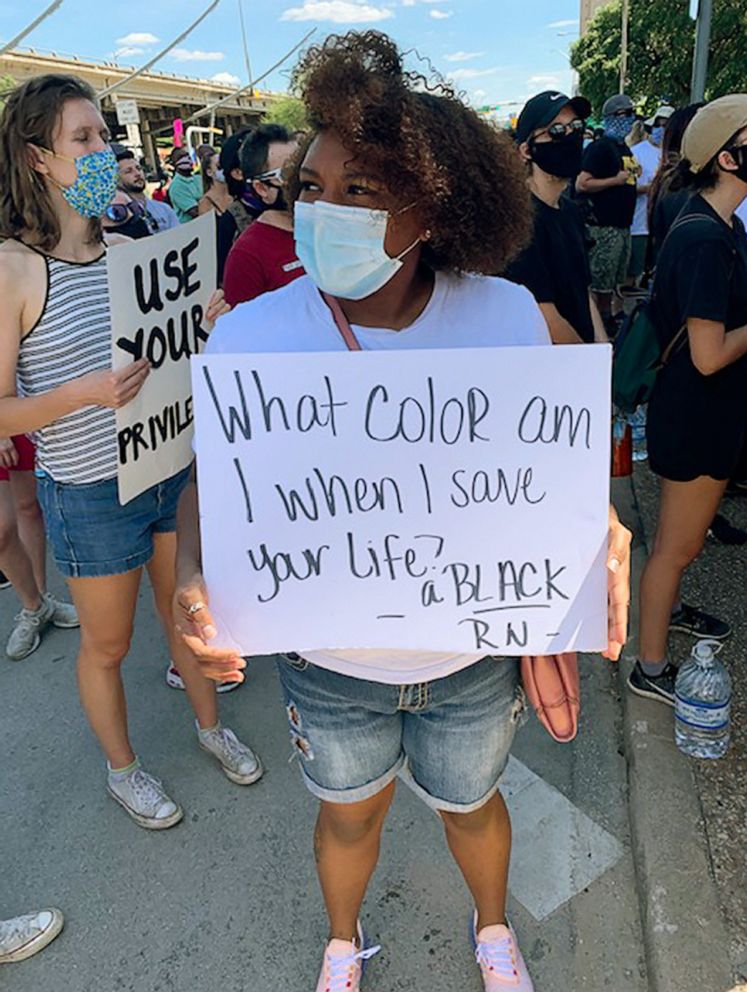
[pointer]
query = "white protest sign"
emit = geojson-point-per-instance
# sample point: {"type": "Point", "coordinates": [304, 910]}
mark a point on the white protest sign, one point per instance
{"type": "Point", "coordinates": [450, 500]}
{"type": "Point", "coordinates": [159, 289]}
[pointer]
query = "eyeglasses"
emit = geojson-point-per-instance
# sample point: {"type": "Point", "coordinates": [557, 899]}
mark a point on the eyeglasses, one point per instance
{"type": "Point", "coordinates": [272, 174]}
{"type": "Point", "coordinates": [118, 212]}
{"type": "Point", "coordinates": [558, 131]}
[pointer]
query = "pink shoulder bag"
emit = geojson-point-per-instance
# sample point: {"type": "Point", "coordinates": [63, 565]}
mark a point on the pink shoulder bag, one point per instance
{"type": "Point", "coordinates": [551, 682]}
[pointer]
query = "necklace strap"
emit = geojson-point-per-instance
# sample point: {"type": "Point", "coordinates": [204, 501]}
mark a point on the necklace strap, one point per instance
{"type": "Point", "coordinates": [343, 325]}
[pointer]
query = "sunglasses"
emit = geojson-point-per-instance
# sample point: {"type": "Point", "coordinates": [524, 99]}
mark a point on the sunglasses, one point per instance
{"type": "Point", "coordinates": [558, 131]}
{"type": "Point", "coordinates": [118, 212]}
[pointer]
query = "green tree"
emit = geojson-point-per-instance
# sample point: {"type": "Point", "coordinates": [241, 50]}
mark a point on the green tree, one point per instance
{"type": "Point", "coordinates": [7, 84]}
{"type": "Point", "coordinates": [660, 52]}
{"type": "Point", "coordinates": [288, 111]}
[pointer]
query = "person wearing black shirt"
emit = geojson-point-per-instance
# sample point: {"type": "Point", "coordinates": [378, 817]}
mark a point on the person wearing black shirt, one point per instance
{"type": "Point", "coordinates": [608, 178]}
{"type": "Point", "coordinates": [245, 205]}
{"type": "Point", "coordinates": [697, 416]}
{"type": "Point", "coordinates": [555, 266]}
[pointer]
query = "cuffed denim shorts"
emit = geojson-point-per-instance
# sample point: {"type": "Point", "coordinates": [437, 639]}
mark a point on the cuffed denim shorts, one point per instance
{"type": "Point", "coordinates": [91, 535]}
{"type": "Point", "coordinates": [449, 739]}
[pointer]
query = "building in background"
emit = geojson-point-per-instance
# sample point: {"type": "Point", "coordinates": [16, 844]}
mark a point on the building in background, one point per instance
{"type": "Point", "coordinates": [149, 104]}
{"type": "Point", "coordinates": [588, 10]}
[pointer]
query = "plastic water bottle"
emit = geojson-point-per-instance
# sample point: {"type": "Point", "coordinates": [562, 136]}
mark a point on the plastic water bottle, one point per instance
{"type": "Point", "coordinates": [638, 432]}
{"type": "Point", "coordinates": [702, 704]}
{"type": "Point", "coordinates": [622, 446]}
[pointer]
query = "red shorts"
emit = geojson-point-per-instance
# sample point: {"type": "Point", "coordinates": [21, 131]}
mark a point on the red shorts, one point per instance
{"type": "Point", "coordinates": [26, 457]}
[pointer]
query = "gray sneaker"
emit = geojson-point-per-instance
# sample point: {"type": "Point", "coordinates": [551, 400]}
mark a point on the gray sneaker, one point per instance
{"type": "Point", "coordinates": [25, 637]}
{"type": "Point", "coordinates": [25, 935]}
{"type": "Point", "coordinates": [145, 799]}
{"type": "Point", "coordinates": [65, 615]}
{"type": "Point", "coordinates": [239, 763]}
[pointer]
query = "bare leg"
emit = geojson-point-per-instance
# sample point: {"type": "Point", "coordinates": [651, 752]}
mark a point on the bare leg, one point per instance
{"type": "Point", "coordinates": [346, 847]}
{"type": "Point", "coordinates": [106, 607]}
{"type": "Point", "coordinates": [30, 523]}
{"type": "Point", "coordinates": [481, 845]}
{"type": "Point", "coordinates": [201, 691]}
{"type": "Point", "coordinates": [14, 559]}
{"type": "Point", "coordinates": [686, 510]}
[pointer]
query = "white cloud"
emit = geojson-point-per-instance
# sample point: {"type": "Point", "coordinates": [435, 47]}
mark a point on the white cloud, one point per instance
{"type": "Point", "coordinates": [441, 15]}
{"type": "Point", "coordinates": [463, 56]}
{"type": "Point", "coordinates": [472, 73]}
{"type": "Point", "coordinates": [227, 78]}
{"type": "Point", "coordinates": [478, 94]}
{"type": "Point", "coordinates": [187, 55]}
{"type": "Point", "coordinates": [137, 38]}
{"type": "Point", "coordinates": [126, 50]}
{"type": "Point", "coordinates": [572, 23]}
{"type": "Point", "coordinates": [546, 82]}
{"type": "Point", "coordinates": [337, 11]}
{"type": "Point", "coordinates": [409, 3]}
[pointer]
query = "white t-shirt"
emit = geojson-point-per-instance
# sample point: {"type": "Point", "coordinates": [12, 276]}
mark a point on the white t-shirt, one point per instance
{"type": "Point", "coordinates": [463, 312]}
{"type": "Point", "coordinates": [648, 157]}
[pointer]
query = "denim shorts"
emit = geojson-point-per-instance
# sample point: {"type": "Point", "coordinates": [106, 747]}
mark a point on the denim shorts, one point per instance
{"type": "Point", "coordinates": [449, 739]}
{"type": "Point", "coordinates": [91, 535]}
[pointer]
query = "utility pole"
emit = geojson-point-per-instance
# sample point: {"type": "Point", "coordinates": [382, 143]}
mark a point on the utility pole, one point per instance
{"type": "Point", "coordinates": [700, 59]}
{"type": "Point", "coordinates": [624, 46]}
{"type": "Point", "coordinates": [246, 46]}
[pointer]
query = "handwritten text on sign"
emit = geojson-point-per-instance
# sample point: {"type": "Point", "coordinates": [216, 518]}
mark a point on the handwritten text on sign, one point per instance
{"type": "Point", "coordinates": [159, 287]}
{"type": "Point", "coordinates": [453, 500]}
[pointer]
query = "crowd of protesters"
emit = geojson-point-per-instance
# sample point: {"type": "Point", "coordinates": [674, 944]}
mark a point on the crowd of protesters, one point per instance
{"type": "Point", "coordinates": [363, 227]}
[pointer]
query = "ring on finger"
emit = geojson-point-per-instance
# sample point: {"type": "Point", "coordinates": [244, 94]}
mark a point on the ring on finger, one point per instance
{"type": "Point", "coordinates": [194, 608]}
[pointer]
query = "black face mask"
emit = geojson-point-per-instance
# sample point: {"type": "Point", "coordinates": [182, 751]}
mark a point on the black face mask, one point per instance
{"type": "Point", "coordinates": [280, 201]}
{"type": "Point", "coordinates": [135, 228]}
{"type": "Point", "coordinates": [561, 158]}
{"type": "Point", "coordinates": [738, 154]}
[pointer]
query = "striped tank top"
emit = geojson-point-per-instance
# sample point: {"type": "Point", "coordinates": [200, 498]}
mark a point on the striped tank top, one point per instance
{"type": "Point", "coordinates": [72, 337]}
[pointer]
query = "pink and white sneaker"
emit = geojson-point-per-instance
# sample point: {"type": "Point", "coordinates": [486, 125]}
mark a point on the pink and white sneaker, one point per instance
{"type": "Point", "coordinates": [501, 963]}
{"type": "Point", "coordinates": [344, 961]}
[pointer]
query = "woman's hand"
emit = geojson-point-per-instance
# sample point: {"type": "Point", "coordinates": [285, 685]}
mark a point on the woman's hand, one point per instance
{"type": "Point", "coordinates": [195, 625]}
{"type": "Point", "coordinates": [215, 308]}
{"type": "Point", "coordinates": [8, 453]}
{"type": "Point", "coordinates": [109, 388]}
{"type": "Point", "coordinates": [618, 586]}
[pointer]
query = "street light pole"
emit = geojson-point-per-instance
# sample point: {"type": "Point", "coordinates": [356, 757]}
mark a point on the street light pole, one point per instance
{"type": "Point", "coordinates": [624, 46]}
{"type": "Point", "coordinates": [700, 59]}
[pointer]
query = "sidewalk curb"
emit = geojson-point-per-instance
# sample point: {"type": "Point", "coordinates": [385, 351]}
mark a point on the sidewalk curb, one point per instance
{"type": "Point", "coordinates": [685, 940]}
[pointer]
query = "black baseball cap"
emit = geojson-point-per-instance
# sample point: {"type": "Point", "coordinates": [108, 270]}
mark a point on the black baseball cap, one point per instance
{"type": "Point", "coordinates": [542, 109]}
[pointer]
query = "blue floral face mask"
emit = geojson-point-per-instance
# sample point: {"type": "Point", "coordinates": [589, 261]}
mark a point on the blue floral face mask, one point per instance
{"type": "Point", "coordinates": [93, 190]}
{"type": "Point", "coordinates": [618, 127]}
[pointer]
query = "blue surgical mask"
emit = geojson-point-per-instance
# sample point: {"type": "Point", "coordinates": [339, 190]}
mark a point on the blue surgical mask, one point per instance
{"type": "Point", "coordinates": [219, 176]}
{"type": "Point", "coordinates": [657, 136]}
{"type": "Point", "coordinates": [96, 184]}
{"type": "Point", "coordinates": [618, 127]}
{"type": "Point", "coordinates": [342, 248]}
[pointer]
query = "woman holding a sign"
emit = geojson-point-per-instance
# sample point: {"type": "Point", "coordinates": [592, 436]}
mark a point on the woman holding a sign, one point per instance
{"type": "Point", "coordinates": [58, 175]}
{"type": "Point", "coordinates": [403, 198]}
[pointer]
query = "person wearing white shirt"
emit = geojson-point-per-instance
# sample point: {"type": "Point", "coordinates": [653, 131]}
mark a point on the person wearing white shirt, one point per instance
{"type": "Point", "coordinates": [648, 156]}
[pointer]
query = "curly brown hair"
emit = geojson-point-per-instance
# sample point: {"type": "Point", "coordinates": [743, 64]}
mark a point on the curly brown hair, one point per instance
{"type": "Point", "coordinates": [30, 116]}
{"type": "Point", "coordinates": [467, 183]}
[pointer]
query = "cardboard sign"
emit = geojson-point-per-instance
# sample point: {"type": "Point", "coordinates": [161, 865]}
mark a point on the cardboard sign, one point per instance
{"type": "Point", "coordinates": [160, 288]}
{"type": "Point", "coordinates": [451, 500]}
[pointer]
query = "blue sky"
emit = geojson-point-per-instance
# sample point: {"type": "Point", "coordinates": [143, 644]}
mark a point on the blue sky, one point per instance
{"type": "Point", "coordinates": [496, 51]}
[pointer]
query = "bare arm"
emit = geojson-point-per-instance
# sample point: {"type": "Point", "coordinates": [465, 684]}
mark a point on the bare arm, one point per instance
{"type": "Point", "coordinates": [712, 349]}
{"type": "Point", "coordinates": [586, 183]}
{"type": "Point", "coordinates": [561, 331]}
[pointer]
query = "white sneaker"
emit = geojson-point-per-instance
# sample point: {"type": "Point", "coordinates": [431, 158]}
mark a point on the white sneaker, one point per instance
{"type": "Point", "coordinates": [239, 763]}
{"type": "Point", "coordinates": [25, 935]}
{"type": "Point", "coordinates": [25, 637]}
{"type": "Point", "coordinates": [175, 681]}
{"type": "Point", "coordinates": [65, 615]}
{"type": "Point", "coordinates": [501, 963]}
{"type": "Point", "coordinates": [344, 963]}
{"type": "Point", "coordinates": [145, 799]}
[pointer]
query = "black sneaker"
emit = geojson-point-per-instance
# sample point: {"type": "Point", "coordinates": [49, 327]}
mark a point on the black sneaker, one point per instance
{"type": "Point", "coordinates": [4, 581]}
{"type": "Point", "coordinates": [737, 487]}
{"type": "Point", "coordinates": [658, 687]}
{"type": "Point", "coordinates": [725, 533]}
{"type": "Point", "coordinates": [688, 620]}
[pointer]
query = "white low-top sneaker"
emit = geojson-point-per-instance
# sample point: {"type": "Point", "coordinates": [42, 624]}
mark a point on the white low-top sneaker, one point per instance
{"type": "Point", "coordinates": [26, 935]}
{"type": "Point", "coordinates": [239, 763]}
{"type": "Point", "coordinates": [65, 615]}
{"type": "Point", "coordinates": [344, 963]}
{"type": "Point", "coordinates": [500, 960]}
{"type": "Point", "coordinates": [145, 799]}
{"type": "Point", "coordinates": [175, 681]}
{"type": "Point", "coordinates": [26, 636]}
